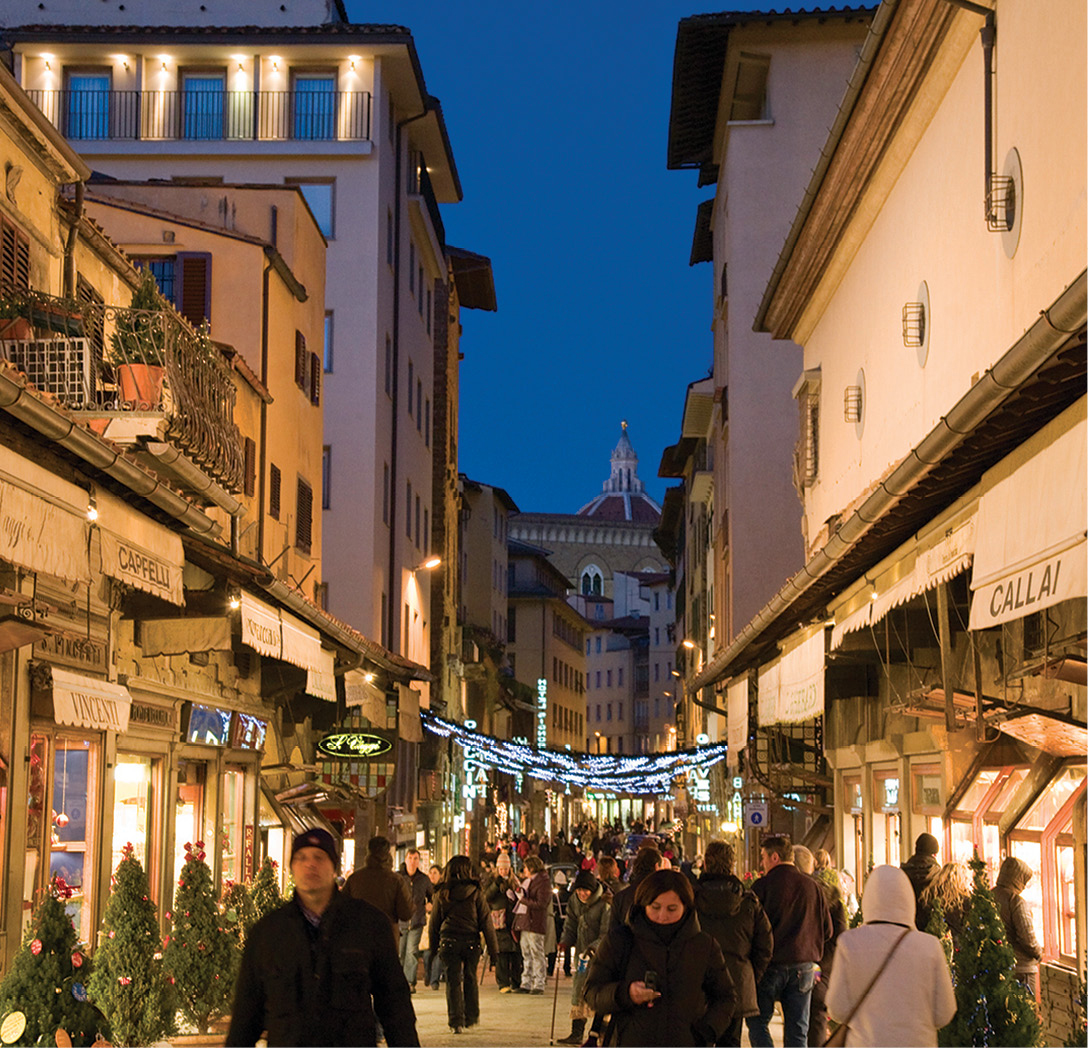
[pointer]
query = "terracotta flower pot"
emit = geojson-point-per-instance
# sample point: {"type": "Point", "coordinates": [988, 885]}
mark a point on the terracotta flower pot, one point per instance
{"type": "Point", "coordinates": [140, 386]}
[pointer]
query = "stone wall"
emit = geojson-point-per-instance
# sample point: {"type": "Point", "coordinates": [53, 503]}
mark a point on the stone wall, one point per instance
{"type": "Point", "coordinates": [1059, 1004]}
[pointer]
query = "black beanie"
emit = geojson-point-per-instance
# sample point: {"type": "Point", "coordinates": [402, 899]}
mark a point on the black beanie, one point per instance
{"type": "Point", "coordinates": [585, 879]}
{"type": "Point", "coordinates": [317, 838]}
{"type": "Point", "coordinates": [926, 844]}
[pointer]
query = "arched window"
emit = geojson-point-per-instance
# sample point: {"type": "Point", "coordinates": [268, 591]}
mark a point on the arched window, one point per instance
{"type": "Point", "coordinates": [592, 581]}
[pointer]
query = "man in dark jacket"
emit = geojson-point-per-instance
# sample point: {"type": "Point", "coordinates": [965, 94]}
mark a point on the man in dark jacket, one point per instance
{"type": "Point", "coordinates": [921, 868]}
{"type": "Point", "coordinates": [411, 931]}
{"type": "Point", "coordinates": [377, 884]}
{"type": "Point", "coordinates": [645, 862]}
{"type": "Point", "coordinates": [801, 925]}
{"type": "Point", "coordinates": [1012, 879]}
{"type": "Point", "coordinates": [312, 967]}
{"type": "Point", "coordinates": [734, 916]}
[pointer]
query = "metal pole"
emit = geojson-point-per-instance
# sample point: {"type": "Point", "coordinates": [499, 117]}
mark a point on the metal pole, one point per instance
{"type": "Point", "coordinates": [555, 998]}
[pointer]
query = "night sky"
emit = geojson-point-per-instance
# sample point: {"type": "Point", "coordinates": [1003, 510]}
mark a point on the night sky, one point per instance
{"type": "Point", "coordinates": [558, 117]}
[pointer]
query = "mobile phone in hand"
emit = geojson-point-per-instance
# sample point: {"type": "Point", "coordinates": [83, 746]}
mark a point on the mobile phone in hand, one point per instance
{"type": "Point", "coordinates": [650, 981]}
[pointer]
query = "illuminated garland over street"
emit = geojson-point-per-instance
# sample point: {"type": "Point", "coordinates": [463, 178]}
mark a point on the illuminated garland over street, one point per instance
{"type": "Point", "coordinates": [647, 773]}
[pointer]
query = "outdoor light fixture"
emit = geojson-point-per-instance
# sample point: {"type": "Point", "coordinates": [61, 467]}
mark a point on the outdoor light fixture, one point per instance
{"type": "Point", "coordinates": [675, 673]}
{"type": "Point", "coordinates": [689, 644]}
{"type": "Point", "coordinates": [368, 677]}
{"type": "Point", "coordinates": [92, 509]}
{"type": "Point", "coordinates": [235, 602]}
{"type": "Point", "coordinates": [428, 565]}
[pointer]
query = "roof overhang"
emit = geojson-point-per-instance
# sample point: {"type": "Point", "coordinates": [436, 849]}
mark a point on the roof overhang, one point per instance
{"type": "Point", "coordinates": [702, 241]}
{"type": "Point", "coordinates": [474, 278]}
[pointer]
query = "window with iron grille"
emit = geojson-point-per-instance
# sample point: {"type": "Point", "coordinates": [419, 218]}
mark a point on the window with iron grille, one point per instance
{"type": "Point", "coordinates": [274, 492]}
{"type": "Point", "coordinates": [14, 258]}
{"type": "Point", "coordinates": [806, 458]}
{"type": "Point", "coordinates": [304, 510]}
{"type": "Point", "coordinates": [250, 479]}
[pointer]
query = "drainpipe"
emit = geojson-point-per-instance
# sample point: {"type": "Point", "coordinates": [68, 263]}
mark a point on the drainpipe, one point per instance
{"type": "Point", "coordinates": [70, 246]}
{"type": "Point", "coordinates": [393, 611]}
{"type": "Point", "coordinates": [989, 38]}
{"type": "Point", "coordinates": [263, 452]}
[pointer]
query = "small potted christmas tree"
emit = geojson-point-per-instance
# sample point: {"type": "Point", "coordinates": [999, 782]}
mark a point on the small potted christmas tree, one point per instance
{"type": "Point", "coordinates": [200, 951]}
{"type": "Point", "coordinates": [129, 984]}
{"type": "Point", "coordinates": [992, 1008]}
{"type": "Point", "coordinates": [265, 890]}
{"type": "Point", "coordinates": [46, 989]}
{"type": "Point", "coordinates": [238, 911]}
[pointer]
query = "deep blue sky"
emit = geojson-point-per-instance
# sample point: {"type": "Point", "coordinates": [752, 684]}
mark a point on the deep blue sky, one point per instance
{"type": "Point", "coordinates": [558, 117]}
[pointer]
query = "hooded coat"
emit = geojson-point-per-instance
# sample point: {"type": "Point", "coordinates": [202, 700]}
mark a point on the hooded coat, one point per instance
{"type": "Point", "coordinates": [735, 917]}
{"type": "Point", "coordinates": [460, 913]}
{"type": "Point", "coordinates": [922, 870]}
{"type": "Point", "coordinates": [585, 923]}
{"type": "Point", "coordinates": [1012, 879]}
{"type": "Point", "coordinates": [913, 997]}
{"type": "Point", "coordinates": [697, 995]}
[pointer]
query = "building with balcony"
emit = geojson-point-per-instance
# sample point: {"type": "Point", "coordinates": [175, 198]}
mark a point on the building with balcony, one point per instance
{"type": "Point", "coordinates": [937, 628]}
{"type": "Point", "coordinates": [342, 112]}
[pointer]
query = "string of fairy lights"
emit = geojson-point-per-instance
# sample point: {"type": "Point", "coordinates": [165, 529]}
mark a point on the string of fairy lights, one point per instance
{"type": "Point", "coordinates": [643, 774]}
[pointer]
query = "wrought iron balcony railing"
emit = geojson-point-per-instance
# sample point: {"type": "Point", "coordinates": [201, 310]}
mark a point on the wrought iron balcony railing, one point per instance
{"type": "Point", "coordinates": [108, 360]}
{"type": "Point", "coordinates": [208, 115]}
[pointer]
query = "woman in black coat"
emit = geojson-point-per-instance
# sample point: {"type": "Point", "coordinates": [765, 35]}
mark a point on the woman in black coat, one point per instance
{"type": "Point", "coordinates": [459, 914]}
{"type": "Point", "coordinates": [661, 977]}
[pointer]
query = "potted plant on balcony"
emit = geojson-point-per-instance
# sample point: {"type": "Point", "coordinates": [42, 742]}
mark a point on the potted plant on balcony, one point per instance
{"type": "Point", "coordinates": [138, 348]}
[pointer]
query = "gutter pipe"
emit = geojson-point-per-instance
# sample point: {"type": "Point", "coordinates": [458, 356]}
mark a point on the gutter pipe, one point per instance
{"type": "Point", "coordinates": [70, 244]}
{"type": "Point", "coordinates": [56, 427]}
{"type": "Point", "coordinates": [1064, 317]}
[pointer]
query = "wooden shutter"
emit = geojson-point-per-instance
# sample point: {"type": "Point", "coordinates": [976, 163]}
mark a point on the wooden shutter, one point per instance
{"type": "Point", "coordinates": [304, 516]}
{"type": "Point", "coordinates": [302, 363]}
{"type": "Point", "coordinates": [14, 258]}
{"type": "Point", "coordinates": [274, 492]}
{"type": "Point", "coordinates": [315, 379]}
{"type": "Point", "coordinates": [193, 285]}
{"type": "Point", "coordinates": [250, 481]}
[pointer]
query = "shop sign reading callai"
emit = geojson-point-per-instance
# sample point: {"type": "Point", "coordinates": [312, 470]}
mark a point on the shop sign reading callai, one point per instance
{"type": "Point", "coordinates": [354, 745]}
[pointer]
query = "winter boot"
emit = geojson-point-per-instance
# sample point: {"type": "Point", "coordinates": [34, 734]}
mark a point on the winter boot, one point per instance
{"type": "Point", "coordinates": [577, 1027]}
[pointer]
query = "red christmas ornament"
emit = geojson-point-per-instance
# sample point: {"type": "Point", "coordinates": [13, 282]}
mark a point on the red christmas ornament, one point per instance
{"type": "Point", "coordinates": [77, 960]}
{"type": "Point", "coordinates": [36, 947]}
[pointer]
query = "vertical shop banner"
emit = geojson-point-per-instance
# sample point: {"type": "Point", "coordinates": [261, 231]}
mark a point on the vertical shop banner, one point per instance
{"type": "Point", "coordinates": [737, 728]}
{"type": "Point", "coordinates": [767, 712]}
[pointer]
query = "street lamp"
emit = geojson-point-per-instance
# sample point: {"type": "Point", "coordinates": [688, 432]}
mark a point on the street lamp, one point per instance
{"type": "Point", "coordinates": [428, 565]}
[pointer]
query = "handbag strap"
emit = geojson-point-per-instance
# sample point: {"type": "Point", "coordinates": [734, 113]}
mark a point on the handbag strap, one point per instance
{"type": "Point", "coordinates": [872, 982]}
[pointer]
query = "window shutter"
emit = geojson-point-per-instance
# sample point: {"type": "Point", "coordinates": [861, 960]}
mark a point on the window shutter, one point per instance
{"type": "Point", "coordinates": [274, 493]}
{"type": "Point", "coordinates": [304, 516]}
{"type": "Point", "coordinates": [315, 379]}
{"type": "Point", "coordinates": [302, 363]}
{"type": "Point", "coordinates": [193, 287]}
{"type": "Point", "coordinates": [14, 259]}
{"type": "Point", "coordinates": [250, 481]}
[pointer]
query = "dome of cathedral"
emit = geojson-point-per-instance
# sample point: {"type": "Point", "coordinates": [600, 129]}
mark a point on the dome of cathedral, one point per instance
{"type": "Point", "coordinates": [622, 497]}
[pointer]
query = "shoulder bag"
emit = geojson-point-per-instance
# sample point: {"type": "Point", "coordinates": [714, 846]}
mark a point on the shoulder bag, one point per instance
{"type": "Point", "coordinates": [838, 1038]}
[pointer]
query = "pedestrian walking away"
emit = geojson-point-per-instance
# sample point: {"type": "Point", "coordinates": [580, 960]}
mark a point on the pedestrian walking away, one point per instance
{"type": "Point", "coordinates": [316, 970]}
{"type": "Point", "coordinates": [458, 915]}
{"type": "Point", "coordinates": [377, 884]}
{"type": "Point", "coordinates": [913, 996]}
{"type": "Point", "coordinates": [922, 869]}
{"type": "Point", "coordinates": [801, 926]}
{"type": "Point", "coordinates": [419, 888]}
{"type": "Point", "coordinates": [662, 979]}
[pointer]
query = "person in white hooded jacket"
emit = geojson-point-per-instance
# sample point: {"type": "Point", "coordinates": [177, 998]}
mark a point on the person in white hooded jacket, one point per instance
{"type": "Point", "coordinates": [913, 997]}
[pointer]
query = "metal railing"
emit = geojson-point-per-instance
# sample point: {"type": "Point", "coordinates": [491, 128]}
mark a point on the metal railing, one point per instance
{"type": "Point", "coordinates": [205, 116]}
{"type": "Point", "coordinates": [107, 360]}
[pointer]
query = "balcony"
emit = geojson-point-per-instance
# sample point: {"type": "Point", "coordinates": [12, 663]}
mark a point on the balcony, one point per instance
{"type": "Point", "coordinates": [136, 376]}
{"type": "Point", "coordinates": [208, 116]}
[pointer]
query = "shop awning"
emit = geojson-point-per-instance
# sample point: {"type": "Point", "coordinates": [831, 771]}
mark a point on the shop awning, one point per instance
{"type": "Point", "coordinates": [934, 562]}
{"type": "Point", "coordinates": [86, 702]}
{"type": "Point", "coordinates": [791, 689]}
{"type": "Point", "coordinates": [41, 536]}
{"type": "Point", "coordinates": [370, 699]}
{"type": "Point", "coordinates": [409, 726]}
{"type": "Point", "coordinates": [280, 635]}
{"type": "Point", "coordinates": [139, 551]}
{"type": "Point", "coordinates": [1058, 735]}
{"type": "Point", "coordinates": [185, 636]}
{"type": "Point", "coordinates": [1031, 550]}
{"type": "Point", "coordinates": [736, 699]}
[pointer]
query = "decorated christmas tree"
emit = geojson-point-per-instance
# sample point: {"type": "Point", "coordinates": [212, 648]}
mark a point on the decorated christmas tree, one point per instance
{"type": "Point", "coordinates": [200, 951]}
{"type": "Point", "coordinates": [992, 1008]}
{"type": "Point", "coordinates": [937, 926]}
{"type": "Point", "coordinates": [265, 890]}
{"type": "Point", "coordinates": [129, 984]}
{"type": "Point", "coordinates": [46, 989]}
{"type": "Point", "coordinates": [238, 910]}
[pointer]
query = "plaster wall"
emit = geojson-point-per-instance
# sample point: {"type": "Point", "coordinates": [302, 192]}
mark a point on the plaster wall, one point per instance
{"type": "Point", "coordinates": [931, 228]}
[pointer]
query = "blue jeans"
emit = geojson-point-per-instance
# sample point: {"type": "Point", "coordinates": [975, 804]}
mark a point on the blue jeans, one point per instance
{"type": "Point", "coordinates": [792, 985]}
{"type": "Point", "coordinates": [409, 952]}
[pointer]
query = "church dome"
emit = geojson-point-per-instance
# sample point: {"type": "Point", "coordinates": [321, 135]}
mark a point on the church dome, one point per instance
{"type": "Point", "coordinates": [622, 497]}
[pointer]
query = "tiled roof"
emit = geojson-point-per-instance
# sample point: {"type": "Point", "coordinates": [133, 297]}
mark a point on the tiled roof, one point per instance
{"type": "Point", "coordinates": [60, 32]}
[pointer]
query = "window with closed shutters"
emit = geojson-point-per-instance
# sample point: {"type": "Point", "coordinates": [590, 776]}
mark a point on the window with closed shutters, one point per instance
{"type": "Point", "coordinates": [302, 364]}
{"type": "Point", "coordinates": [14, 258]}
{"type": "Point", "coordinates": [192, 286]}
{"type": "Point", "coordinates": [274, 492]}
{"type": "Point", "coordinates": [315, 379]}
{"type": "Point", "coordinates": [93, 323]}
{"type": "Point", "coordinates": [250, 480]}
{"type": "Point", "coordinates": [304, 517]}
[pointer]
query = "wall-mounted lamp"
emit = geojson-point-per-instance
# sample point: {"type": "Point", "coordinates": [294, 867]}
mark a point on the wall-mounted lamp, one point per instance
{"type": "Point", "coordinates": [676, 673]}
{"type": "Point", "coordinates": [368, 677]}
{"type": "Point", "coordinates": [92, 508]}
{"type": "Point", "coordinates": [428, 565]}
{"type": "Point", "coordinates": [235, 602]}
{"type": "Point", "coordinates": [47, 65]}
{"type": "Point", "coordinates": [872, 588]}
{"type": "Point", "coordinates": [689, 644]}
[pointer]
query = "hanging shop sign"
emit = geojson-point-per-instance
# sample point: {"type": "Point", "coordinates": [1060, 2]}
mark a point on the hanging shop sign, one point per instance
{"type": "Point", "coordinates": [737, 720]}
{"type": "Point", "coordinates": [1031, 551]}
{"type": "Point", "coordinates": [70, 649]}
{"type": "Point", "coordinates": [85, 702]}
{"type": "Point", "coordinates": [542, 714]}
{"type": "Point", "coordinates": [355, 745]}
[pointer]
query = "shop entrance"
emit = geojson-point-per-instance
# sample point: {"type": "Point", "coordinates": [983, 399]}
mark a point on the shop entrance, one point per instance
{"type": "Point", "coordinates": [189, 811]}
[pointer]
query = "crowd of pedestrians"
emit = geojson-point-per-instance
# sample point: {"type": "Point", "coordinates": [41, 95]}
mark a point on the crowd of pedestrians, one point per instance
{"type": "Point", "coordinates": [659, 950]}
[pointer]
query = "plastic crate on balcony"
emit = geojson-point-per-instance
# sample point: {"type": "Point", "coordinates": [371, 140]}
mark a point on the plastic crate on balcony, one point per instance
{"type": "Point", "coordinates": [61, 366]}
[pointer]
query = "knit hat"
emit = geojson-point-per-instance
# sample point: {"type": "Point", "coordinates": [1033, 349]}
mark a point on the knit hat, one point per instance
{"type": "Point", "coordinates": [926, 844]}
{"type": "Point", "coordinates": [586, 879]}
{"type": "Point", "coordinates": [317, 838]}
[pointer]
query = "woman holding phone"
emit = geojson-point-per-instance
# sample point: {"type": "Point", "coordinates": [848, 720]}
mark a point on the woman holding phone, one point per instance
{"type": "Point", "coordinates": [662, 979]}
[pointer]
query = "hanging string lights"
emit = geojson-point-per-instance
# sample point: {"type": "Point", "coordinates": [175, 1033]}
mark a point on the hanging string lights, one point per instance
{"type": "Point", "coordinates": [641, 774]}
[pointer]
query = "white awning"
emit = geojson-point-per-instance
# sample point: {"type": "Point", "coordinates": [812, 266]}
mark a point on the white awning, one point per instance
{"type": "Point", "coordinates": [791, 689]}
{"type": "Point", "coordinates": [935, 561]}
{"type": "Point", "coordinates": [359, 692]}
{"type": "Point", "coordinates": [302, 645]}
{"type": "Point", "coordinates": [139, 551]}
{"type": "Point", "coordinates": [40, 536]}
{"type": "Point", "coordinates": [185, 636]}
{"type": "Point", "coordinates": [409, 726]}
{"type": "Point", "coordinates": [1031, 525]}
{"type": "Point", "coordinates": [322, 683]}
{"type": "Point", "coordinates": [86, 702]}
{"type": "Point", "coordinates": [261, 627]}
{"type": "Point", "coordinates": [736, 704]}
{"type": "Point", "coordinates": [279, 635]}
